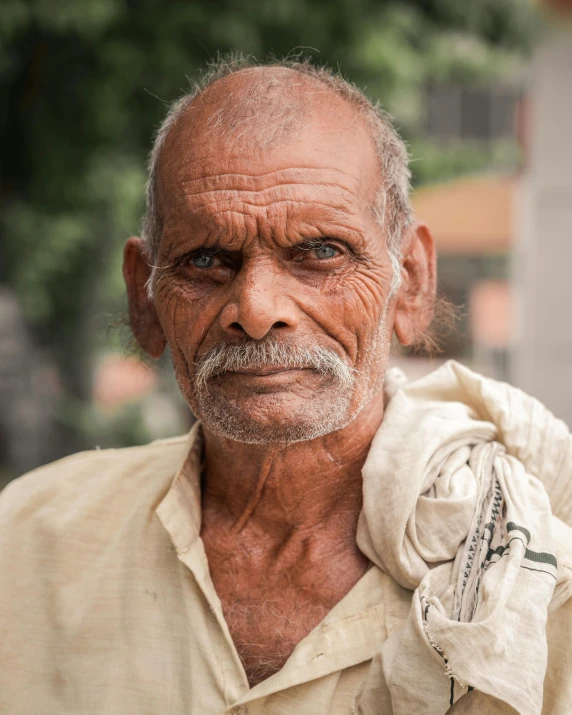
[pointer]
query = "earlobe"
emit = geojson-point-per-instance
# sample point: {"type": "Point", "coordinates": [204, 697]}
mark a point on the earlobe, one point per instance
{"type": "Point", "coordinates": [404, 329]}
{"type": "Point", "coordinates": [416, 296]}
{"type": "Point", "coordinates": [143, 317]}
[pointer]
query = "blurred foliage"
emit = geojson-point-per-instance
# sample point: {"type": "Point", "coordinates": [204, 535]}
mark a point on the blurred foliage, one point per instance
{"type": "Point", "coordinates": [85, 84]}
{"type": "Point", "coordinates": [432, 162]}
{"type": "Point", "coordinates": [104, 428]}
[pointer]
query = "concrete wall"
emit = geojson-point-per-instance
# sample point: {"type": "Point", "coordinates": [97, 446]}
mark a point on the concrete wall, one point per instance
{"type": "Point", "coordinates": [542, 270]}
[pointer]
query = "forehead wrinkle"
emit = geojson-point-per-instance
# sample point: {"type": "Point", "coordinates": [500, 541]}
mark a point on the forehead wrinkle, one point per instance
{"type": "Point", "coordinates": [279, 213]}
{"type": "Point", "coordinates": [250, 209]}
{"type": "Point", "coordinates": [258, 189]}
{"type": "Point", "coordinates": [216, 229]}
{"type": "Point", "coordinates": [259, 199]}
{"type": "Point", "coordinates": [337, 195]}
{"type": "Point", "coordinates": [183, 175]}
{"type": "Point", "coordinates": [296, 182]}
{"type": "Point", "coordinates": [262, 174]}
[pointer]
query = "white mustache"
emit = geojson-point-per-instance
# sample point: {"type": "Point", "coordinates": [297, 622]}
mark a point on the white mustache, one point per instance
{"type": "Point", "coordinates": [271, 354]}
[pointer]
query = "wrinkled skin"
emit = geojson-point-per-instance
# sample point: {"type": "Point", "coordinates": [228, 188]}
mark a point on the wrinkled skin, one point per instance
{"type": "Point", "coordinates": [279, 517]}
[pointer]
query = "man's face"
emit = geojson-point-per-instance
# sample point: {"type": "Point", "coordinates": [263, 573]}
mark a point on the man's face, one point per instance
{"type": "Point", "coordinates": [274, 246]}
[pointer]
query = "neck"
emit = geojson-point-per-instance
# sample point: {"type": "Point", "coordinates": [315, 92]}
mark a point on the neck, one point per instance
{"type": "Point", "coordinates": [281, 489]}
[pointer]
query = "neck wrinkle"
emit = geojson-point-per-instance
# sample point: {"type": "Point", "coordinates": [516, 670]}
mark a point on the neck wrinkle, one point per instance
{"type": "Point", "coordinates": [282, 490]}
{"type": "Point", "coordinates": [253, 501]}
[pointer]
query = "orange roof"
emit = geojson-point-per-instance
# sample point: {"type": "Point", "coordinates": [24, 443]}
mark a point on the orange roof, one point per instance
{"type": "Point", "coordinates": [469, 216]}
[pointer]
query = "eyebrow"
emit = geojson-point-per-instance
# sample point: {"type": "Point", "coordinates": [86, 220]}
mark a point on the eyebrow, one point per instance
{"type": "Point", "coordinates": [324, 220]}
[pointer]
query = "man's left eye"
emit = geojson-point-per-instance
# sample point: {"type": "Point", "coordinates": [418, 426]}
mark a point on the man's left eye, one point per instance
{"type": "Point", "coordinates": [325, 251]}
{"type": "Point", "coordinates": [205, 260]}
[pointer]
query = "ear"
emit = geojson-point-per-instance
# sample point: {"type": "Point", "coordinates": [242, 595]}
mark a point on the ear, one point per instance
{"type": "Point", "coordinates": [143, 316]}
{"type": "Point", "coordinates": [416, 296]}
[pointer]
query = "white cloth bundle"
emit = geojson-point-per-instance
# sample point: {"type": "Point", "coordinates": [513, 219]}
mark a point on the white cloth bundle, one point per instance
{"type": "Point", "coordinates": [453, 508]}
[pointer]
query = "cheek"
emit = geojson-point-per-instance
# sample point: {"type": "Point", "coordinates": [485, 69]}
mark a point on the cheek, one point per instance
{"type": "Point", "coordinates": [185, 319]}
{"type": "Point", "coordinates": [352, 310]}
{"type": "Point", "coordinates": [371, 302]}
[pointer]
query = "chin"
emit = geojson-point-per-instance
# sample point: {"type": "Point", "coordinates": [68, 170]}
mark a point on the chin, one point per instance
{"type": "Point", "coordinates": [275, 422]}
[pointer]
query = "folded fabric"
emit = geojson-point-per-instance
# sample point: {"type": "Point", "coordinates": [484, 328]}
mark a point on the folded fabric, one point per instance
{"type": "Point", "coordinates": [455, 509]}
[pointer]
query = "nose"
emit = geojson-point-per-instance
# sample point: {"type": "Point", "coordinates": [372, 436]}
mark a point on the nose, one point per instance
{"type": "Point", "coordinates": [259, 303]}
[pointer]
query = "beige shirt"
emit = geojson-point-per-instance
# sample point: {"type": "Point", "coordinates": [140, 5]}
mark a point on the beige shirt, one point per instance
{"type": "Point", "coordinates": [107, 605]}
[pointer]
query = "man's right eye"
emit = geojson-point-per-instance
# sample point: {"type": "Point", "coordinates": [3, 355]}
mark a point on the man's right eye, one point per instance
{"type": "Point", "coordinates": [205, 260]}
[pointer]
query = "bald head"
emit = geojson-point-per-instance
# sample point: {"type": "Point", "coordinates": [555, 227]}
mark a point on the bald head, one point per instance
{"type": "Point", "coordinates": [256, 113]}
{"type": "Point", "coordinates": [254, 108]}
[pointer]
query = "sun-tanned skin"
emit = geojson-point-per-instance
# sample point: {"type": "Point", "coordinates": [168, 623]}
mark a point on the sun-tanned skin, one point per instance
{"type": "Point", "coordinates": [279, 517]}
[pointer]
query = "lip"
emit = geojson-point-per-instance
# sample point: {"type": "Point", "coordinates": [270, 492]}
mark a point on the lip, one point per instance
{"type": "Point", "coordinates": [266, 372]}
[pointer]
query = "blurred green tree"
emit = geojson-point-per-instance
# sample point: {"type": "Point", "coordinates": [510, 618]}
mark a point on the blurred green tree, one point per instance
{"type": "Point", "coordinates": [84, 85]}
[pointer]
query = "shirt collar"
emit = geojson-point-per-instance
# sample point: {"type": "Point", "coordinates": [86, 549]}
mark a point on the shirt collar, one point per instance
{"type": "Point", "coordinates": [180, 509]}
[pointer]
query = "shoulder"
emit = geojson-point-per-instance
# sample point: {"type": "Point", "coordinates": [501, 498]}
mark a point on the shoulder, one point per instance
{"type": "Point", "coordinates": [82, 488]}
{"type": "Point", "coordinates": [80, 550]}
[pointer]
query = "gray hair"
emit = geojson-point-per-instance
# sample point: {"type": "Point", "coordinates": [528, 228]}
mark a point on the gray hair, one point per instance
{"type": "Point", "coordinates": [267, 353]}
{"type": "Point", "coordinates": [392, 208]}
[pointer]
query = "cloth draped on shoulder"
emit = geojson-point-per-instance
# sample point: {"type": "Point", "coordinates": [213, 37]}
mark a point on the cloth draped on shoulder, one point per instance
{"type": "Point", "coordinates": [460, 485]}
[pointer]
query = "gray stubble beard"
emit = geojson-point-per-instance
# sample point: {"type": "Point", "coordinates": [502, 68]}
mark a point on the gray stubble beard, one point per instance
{"type": "Point", "coordinates": [333, 413]}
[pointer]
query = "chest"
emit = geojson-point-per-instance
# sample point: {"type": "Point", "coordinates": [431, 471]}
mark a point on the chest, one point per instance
{"type": "Point", "coordinates": [271, 604]}
{"type": "Point", "coordinates": [266, 625]}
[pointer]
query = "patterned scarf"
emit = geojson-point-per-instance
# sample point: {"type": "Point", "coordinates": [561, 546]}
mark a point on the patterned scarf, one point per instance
{"type": "Point", "coordinates": [453, 510]}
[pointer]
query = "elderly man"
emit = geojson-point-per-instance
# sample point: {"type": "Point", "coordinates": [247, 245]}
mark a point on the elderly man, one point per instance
{"type": "Point", "coordinates": [328, 538]}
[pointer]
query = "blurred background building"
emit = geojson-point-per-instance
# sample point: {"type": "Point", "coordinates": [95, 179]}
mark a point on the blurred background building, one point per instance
{"type": "Point", "coordinates": [482, 91]}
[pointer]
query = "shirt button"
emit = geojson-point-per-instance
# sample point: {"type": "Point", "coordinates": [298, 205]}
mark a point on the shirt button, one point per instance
{"type": "Point", "coordinates": [239, 710]}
